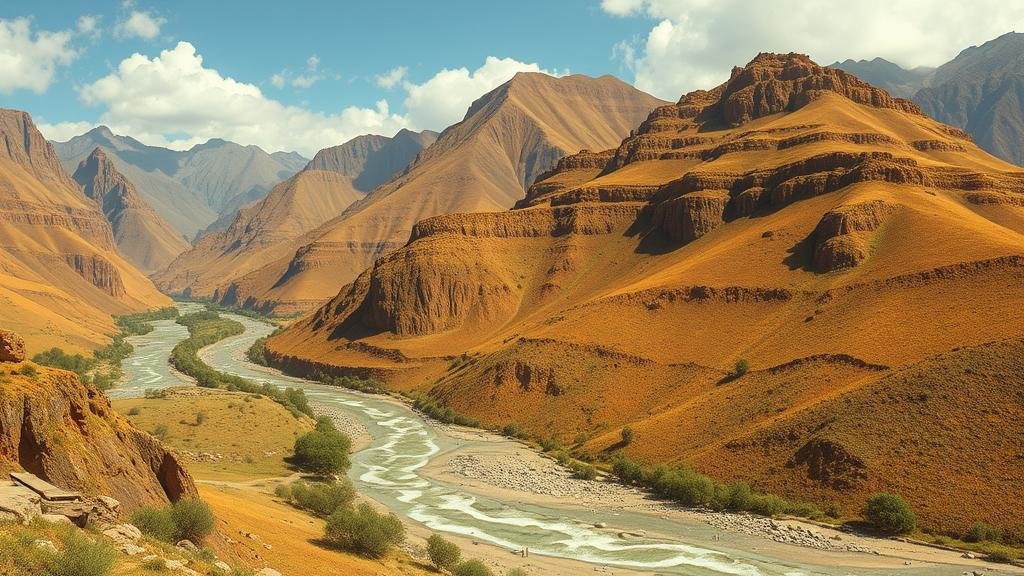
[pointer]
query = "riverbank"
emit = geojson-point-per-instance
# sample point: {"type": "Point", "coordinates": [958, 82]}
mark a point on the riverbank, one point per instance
{"type": "Point", "coordinates": [497, 467]}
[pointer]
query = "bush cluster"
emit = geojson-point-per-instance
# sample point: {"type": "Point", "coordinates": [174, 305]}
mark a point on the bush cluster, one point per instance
{"type": "Point", "coordinates": [208, 327]}
{"type": "Point", "coordinates": [444, 555]}
{"type": "Point", "coordinates": [319, 498]}
{"type": "Point", "coordinates": [889, 514]}
{"type": "Point", "coordinates": [442, 413]}
{"type": "Point", "coordinates": [367, 385]}
{"type": "Point", "coordinates": [364, 530]}
{"type": "Point", "coordinates": [186, 519]}
{"type": "Point", "coordinates": [686, 486]}
{"type": "Point", "coordinates": [81, 556]}
{"type": "Point", "coordinates": [324, 450]}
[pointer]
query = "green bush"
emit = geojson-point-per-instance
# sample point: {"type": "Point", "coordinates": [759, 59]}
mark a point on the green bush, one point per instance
{"type": "Point", "coordinates": [29, 370]}
{"type": "Point", "coordinates": [982, 532]}
{"type": "Point", "coordinates": [155, 564]}
{"type": "Point", "coordinates": [444, 555]}
{"type": "Point", "coordinates": [441, 413]}
{"type": "Point", "coordinates": [324, 450]}
{"type": "Point", "coordinates": [627, 436]}
{"type": "Point", "coordinates": [583, 471]}
{"type": "Point", "coordinates": [472, 568]}
{"type": "Point", "coordinates": [516, 572]}
{"type": "Point", "coordinates": [550, 444]}
{"type": "Point", "coordinates": [322, 499]}
{"type": "Point", "coordinates": [81, 557]}
{"type": "Point", "coordinates": [193, 519]}
{"type": "Point", "coordinates": [155, 522]}
{"type": "Point", "coordinates": [889, 514]}
{"type": "Point", "coordinates": [364, 530]}
{"type": "Point", "coordinates": [741, 367]}
{"type": "Point", "coordinates": [57, 358]}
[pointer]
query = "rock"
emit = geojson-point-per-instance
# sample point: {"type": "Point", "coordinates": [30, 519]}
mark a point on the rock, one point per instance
{"type": "Point", "coordinates": [12, 347]}
{"type": "Point", "coordinates": [222, 566]}
{"type": "Point", "coordinates": [131, 549]}
{"type": "Point", "coordinates": [23, 505]}
{"type": "Point", "coordinates": [109, 504]}
{"type": "Point", "coordinates": [45, 545]}
{"type": "Point", "coordinates": [268, 572]}
{"type": "Point", "coordinates": [968, 555]}
{"type": "Point", "coordinates": [187, 546]}
{"type": "Point", "coordinates": [600, 525]}
{"type": "Point", "coordinates": [123, 533]}
{"type": "Point", "coordinates": [56, 519]}
{"type": "Point", "coordinates": [149, 558]}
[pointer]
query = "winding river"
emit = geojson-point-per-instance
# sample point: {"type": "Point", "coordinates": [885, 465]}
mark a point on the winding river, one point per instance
{"type": "Point", "coordinates": [403, 443]}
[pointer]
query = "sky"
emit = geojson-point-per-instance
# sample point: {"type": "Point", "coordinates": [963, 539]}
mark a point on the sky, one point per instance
{"type": "Point", "coordinates": [303, 75]}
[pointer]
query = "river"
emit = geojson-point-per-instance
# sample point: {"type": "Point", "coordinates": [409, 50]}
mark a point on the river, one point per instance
{"type": "Point", "coordinates": [389, 471]}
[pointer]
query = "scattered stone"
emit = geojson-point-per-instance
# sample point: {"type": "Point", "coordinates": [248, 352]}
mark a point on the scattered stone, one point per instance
{"type": "Point", "coordinates": [56, 519]}
{"type": "Point", "coordinates": [268, 546]}
{"type": "Point", "coordinates": [131, 549]}
{"type": "Point", "coordinates": [600, 525]}
{"type": "Point", "coordinates": [187, 546]}
{"type": "Point", "coordinates": [222, 566]}
{"type": "Point", "coordinates": [123, 533]}
{"type": "Point", "coordinates": [968, 555]}
{"type": "Point", "coordinates": [12, 347]}
{"type": "Point", "coordinates": [268, 572]}
{"type": "Point", "coordinates": [45, 545]}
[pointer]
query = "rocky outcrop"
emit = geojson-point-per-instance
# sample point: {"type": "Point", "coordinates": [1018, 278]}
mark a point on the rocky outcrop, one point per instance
{"type": "Point", "coordinates": [12, 347]}
{"type": "Point", "coordinates": [66, 433]}
{"type": "Point", "coordinates": [692, 215]}
{"type": "Point", "coordinates": [841, 239]}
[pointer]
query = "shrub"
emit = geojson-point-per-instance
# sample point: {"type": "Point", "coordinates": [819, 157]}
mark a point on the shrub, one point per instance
{"type": "Point", "coordinates": [627, 436]}
{"type": "Point", "coordinates": [364, 530]}
{"type": "Point", "coordinates": [741, 368]}
{"type": "Point", "coordinates": [323, 451]}
{"type": "Point", "coordinates": [442, 413]}
{"type": "Point", "coordinates": [29, 370]}
{"type": "Point", "coordinates": [155, 522]}
{"type": "Point", "coordinates": [81, 557]}
{"type": "Point", "coordinates": [155, 564]}
{"type": "Point", "coordinates": [443, 554]}
{"type": "Point", "coordinates": [161, 431]}
{"type": "Point", "coordinates": [472, 568]}
{"type": "Point", "coordinates": [200, 418]}
{"type": "Point", "coordinates": [516, 572]}
{"type": "Point", "coordinates": [192, 518]}
{"type": "Point", "coordinates": [583, 471]}
{"type": "Point", "coordinates": [627, 470]}
{"type": "Point", "coordinates": [513, 430]}
{"type": "Point", "coordinates": [322, 499]}
{"type": "Point", "coordinates": [550, 444]}
{"type": "Point", "coordinates": [999, 553]}
{"type": "Point", "coordinates": [982, 532]}
{"type": "Point", "coordinates": [889, 514]}
{"type": "Point", "coordinates": [135, 411]}
{"type": "Point", "coordinates": [283, 491]}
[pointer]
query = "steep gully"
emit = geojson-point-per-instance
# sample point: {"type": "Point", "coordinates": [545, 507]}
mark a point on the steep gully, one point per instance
{"type": "Point", "coordinates": [389, 471]}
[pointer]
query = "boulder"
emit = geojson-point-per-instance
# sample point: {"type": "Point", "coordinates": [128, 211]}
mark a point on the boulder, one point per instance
{"type": "Point", "coordinates": [56, 519]}
{"type": "Point", "coordinates": [187, 546]}
{"type": "Point", "coordinates": [268, 572]}
{"type": "Point", "coordinates": [222, 566]}
{"type": "Point", "coordinates": [22, 505]}
{"type": "Point", "coordinates": [45, 545]}
{"type": "Point", "coordinates": [12, 347]}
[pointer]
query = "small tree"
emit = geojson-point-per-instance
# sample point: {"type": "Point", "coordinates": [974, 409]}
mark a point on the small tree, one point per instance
{"type": "Point", "coordinates": [443, 554]}
{"type": "Point", "coordinates": [890, 514]}
{"type": "Point", "coordinates": [741, 368]}
{"type": "Point", "coordinates": [473, 568]}
{"type": "Point", "coordinates": [324, 450]}
{"type": "Point", "coordinates": [155, 522]}
{"type": "Point", "coordinates": [627, 436]}
{"type": "Point", "coordinates": [192, 518]}
{"type": "Point", "coordinates": [364, 530]}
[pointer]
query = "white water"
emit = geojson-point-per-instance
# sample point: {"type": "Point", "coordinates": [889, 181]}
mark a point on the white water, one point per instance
{"type": "Point", "coordinates": [403, 443]}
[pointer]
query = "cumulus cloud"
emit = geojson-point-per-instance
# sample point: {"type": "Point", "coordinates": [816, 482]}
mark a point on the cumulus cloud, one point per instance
{"type": "Point", "coordinates": [443, 99]}
{"type": "Point", "coordinates": [174, 100]}
{"type": "Point", "coordinates": [392, 77]}
{"type": "Point", "coordinates": [694, 43]}
{"type": "Point", "coordinates": [89, 25]}
{"type": "Point", "coordinates": [139, 24]}
{"type": "Point", "coordinates": [311, 76]}
{"type": "Point", "coordinates": [29, 60]}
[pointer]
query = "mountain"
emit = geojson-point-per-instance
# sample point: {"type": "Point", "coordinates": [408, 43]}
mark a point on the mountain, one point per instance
{"type": "Point", "coordinates": [189, 189]}
{"type": "Point", "coordinates": [893, 78]}
{"type": "Point", "coordinates": [483, 163]}
{"type": "Point", "coordinates": [142, 236]}
{"type": "Point", "coordinates": [865, 261]}
{"type": "Point", "coordinates": [982, 92]}
{"type": "Point", "coordinates": [334, 179]}
{"type": "Point", "coordinates": [61, 276]}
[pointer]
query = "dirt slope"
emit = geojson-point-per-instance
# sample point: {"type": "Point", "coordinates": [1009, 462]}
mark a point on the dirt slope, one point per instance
{"type": "Point", "coordinates": [483, 163]}
{"type": "Point", "coordinates": [61, 276]}
{"type": "Point", "coordinates": [142, 236]}
{"type": "Point", "coordinates": [262, 232]}
{"type": "Point", "coordinates": [866, 260]}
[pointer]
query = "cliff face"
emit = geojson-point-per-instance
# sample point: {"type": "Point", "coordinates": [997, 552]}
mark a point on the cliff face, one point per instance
{"type": "Point", "coordinates": [141, 235]}
{"type": "Point", "coordinates": [62, 276]}
{"type": "Point", "coordinates": [483, 163]}
{"type": "Point", "coordinates": [65, 432]}
{"type": "Point", "coordinates": [843, 243]}
{"type": "Point", "coordinates": [264, 232]}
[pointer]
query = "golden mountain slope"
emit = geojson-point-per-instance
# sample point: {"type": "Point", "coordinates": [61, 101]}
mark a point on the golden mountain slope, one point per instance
{"type": "Point", "coordinates": [142, 236]}
{"type": "Point", "coordinates": [61, 277]}
{"type": "Point", "coordinates": [866, 260]}
{"type": "Point", "coordinates": [483, 163]}
{"type": "Point", "coordinates": [263, 232]}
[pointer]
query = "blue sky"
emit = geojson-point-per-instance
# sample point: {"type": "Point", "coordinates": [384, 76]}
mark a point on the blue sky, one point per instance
{"type": "Point", "coordinates": [304, 75]}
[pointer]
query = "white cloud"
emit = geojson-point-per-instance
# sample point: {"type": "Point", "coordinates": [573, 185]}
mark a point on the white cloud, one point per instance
{"type": "Point", "coordinates": [64, 131]}
{"type": "Point", "coordinates": [313, 62]}
{"type": "Point", "coordinates": [279, 80]}
{"type": "Point", "coordinates": [695, 43]}
{"type": "Point", "coordinates": [89, 25]}
{"type": "Point", "coordinates": [444, 99]}
{"type": "Point", "coordinates": [140, 25]}
{"type": "Point", "coordinates": [28, 60]}
{"type": "Point", "coordinates": [173, 100]}
{"type": "Point", "coordinates": [306, 80]}
{"type": "Point", "coordinates": [392, 77]}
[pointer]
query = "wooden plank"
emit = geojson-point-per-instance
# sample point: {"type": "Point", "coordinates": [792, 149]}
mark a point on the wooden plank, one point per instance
{"type": "Point", "coordinates": [43, 488]}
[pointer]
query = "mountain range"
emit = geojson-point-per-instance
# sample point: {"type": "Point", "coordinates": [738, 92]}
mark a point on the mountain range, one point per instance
{"type": "Point", "coordinates": [980, 91]}
{"type": "Point", "coordinates": [862, 259]}
{"type": "Point", "coordinates": [483, 163]}
{"type": "Point", "coordinates": [61, 274]}
{"type": "Point", "coordinates": [190, 189]}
